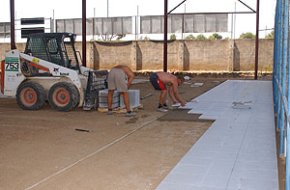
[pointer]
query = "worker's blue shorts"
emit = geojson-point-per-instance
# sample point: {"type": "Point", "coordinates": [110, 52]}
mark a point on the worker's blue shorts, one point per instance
{"type": "Point", "coordinates": [156, 82]}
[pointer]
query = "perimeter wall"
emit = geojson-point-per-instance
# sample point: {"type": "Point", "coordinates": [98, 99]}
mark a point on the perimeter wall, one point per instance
{"type": "Point", "coordinates": [183, 55]}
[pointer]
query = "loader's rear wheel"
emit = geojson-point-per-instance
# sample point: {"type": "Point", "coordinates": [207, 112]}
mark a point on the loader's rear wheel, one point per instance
{"type": "Point", "coordinates": [63, 96]}
{"type": "Point", "coordinates": [30, 96]}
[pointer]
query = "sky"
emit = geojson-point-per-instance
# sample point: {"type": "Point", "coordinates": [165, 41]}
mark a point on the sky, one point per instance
{"type": "Point", "coordinates": [60, 9]}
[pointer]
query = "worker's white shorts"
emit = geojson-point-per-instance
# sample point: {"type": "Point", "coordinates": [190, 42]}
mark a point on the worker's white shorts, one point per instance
{"type": "Point", "coordinates": [117, 79]}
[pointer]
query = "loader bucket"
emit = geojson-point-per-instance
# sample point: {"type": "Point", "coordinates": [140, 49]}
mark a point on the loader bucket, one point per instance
{"type": "Point", "coordinates": [96, 82]}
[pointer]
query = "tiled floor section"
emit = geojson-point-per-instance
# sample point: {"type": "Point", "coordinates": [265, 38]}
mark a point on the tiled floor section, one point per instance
{"type": "Point", "coordinates": [238, 152]}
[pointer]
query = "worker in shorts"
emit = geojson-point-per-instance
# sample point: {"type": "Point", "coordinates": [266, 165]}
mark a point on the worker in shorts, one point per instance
{"type": "Point", "coordinates": [167, 83]}
{"type": "Point", "coordinates": [120, 78]}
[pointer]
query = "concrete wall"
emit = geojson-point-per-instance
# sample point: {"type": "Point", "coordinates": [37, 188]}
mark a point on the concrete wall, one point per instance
{"type": "Point", "coordinates": [245, 55]}
{"type": "Point", "coordinates": [190, 55]}
{"type": "Point", "coordinates": [208, 55]}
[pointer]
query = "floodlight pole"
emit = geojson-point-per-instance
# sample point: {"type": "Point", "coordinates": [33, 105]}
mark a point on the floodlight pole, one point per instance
{"type": "Point", "coordinates": [84, 33]}
{"type": "Point", "coordinates": [165, 36]}
{"type": "Point", "coordinates": [257, 40]}
{"type": "Point", "coordinates": [12, 25]}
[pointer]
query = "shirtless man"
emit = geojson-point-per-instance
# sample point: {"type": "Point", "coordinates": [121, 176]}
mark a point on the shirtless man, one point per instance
{"type": "Point", "coordinates": [120, 77]}
{"type": "Point", "coordinates": [163, 80]}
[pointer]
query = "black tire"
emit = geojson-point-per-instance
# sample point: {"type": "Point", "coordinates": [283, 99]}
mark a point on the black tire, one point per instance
{"type": "Point", "coordinates": [30, 96]}
{"type": "Point", "coordinates": [63, 96]}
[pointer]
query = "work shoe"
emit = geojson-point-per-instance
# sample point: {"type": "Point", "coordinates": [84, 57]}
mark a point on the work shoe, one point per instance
{"type": "Point", "coordinates": [176, 105]}
{"type": "Point", "coordinates": [130, 114]}
{"type": "Point", "coordinates": [162, 109]}
{"type": "Point", "coordinates": [165, 106]}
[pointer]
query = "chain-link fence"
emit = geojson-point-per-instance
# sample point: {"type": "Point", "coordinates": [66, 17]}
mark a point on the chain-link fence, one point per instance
{"type": "Point", "coordinates": [281, 83]}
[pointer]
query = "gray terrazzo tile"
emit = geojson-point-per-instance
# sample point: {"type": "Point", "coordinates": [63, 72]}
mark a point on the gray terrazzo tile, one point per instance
{"type": "Point", "coordinates": [238, 152]}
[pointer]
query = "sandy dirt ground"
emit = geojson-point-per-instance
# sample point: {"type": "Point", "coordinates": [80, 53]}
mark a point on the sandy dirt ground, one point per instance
{"type": "Point", "coordinates": [89, 150]}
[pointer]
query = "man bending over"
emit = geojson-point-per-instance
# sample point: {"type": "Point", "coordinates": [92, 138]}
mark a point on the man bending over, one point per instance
{"type": "Point", "coordinates": [120, 78]}
{"type": "Point", "coordinates": [167, 82]}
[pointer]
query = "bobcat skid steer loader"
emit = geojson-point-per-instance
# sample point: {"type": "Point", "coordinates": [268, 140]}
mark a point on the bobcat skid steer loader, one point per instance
{"type": "Point", "coordinates": [50, 70]}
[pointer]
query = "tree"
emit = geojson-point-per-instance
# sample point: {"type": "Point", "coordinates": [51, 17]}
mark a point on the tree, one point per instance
{"type": "Point", "coordinates": [247, 35]}
{"type": "Point", "coordinates": [172, 37]}
{"type": "Point", "coordinates": [190, 37]}
{"type": "Point", "coordinates": [270, 35]}
{"type": "Point", "coordinates": [108, 37]}
{"type": "Point", "coordinates": [215, 36]}
{"type": "Point", "coordinates": [200, 37]}
{"type": "Point", "coordinates": [146, 38]}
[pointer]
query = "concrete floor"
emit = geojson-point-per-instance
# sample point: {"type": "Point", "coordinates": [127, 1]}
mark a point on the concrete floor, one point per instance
{"type": "Point", "coordinates": [89, 150]}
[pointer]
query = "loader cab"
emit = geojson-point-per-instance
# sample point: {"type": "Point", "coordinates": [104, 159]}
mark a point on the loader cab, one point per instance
{"type": "Point", "coordinates": [57, 48]}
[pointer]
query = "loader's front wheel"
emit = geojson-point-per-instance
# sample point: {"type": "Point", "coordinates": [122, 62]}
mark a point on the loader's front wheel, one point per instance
{"type": "Point", "coordinates": [30, 96]}
{"type": "Point", "coordinates": [63, 96]}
